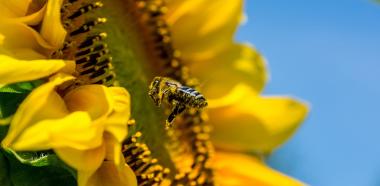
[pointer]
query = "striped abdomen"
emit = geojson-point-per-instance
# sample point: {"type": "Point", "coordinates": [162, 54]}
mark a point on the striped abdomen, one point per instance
{"type": "Point", "coordinates": [190, 97]}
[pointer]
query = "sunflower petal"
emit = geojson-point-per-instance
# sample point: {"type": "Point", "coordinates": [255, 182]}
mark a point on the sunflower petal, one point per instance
{"type": "Point", "coordinates": [254, 123]}
{"type": "Point", "coordinates": [109, 175]}
{"type": "Point", "coordinates": [13, 70]}
{"type": "Point", "coordinates": [16, 37]}
{"type": "Point", "coordinates": [116, 122]}
{"type": "Point", "coordinates": [234, 169]}
{"type": "Point", "coordinates": [94, 99]}
{"type": "Point", "coordinates": [52, 29]}
{"type": "Point", "coordinates": [14, 8]}
{"type": "Point", "coordinates": [113, 149]}
{"type": "Point", "coordinates": [210, 23]}
{"type": "Point", "coordinates": [238, 64]}
{"type": "Point", "coordinates": [75, 131]}
{"type": "Point", "coordinates": [82, 160]}
{"type": "Point", "coordinates": [32, 19]}
{"type": "Point", "coordinates": [42, 103]}
{"type": "Point", "coordinates": [5, 121]}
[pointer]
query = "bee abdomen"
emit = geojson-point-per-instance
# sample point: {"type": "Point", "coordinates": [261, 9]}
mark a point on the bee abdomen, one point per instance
{"type": "Point", "coordinates": [191, 97]}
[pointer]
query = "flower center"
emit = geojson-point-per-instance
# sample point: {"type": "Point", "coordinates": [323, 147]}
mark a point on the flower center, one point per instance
{"type": "Point", "coordinates": [84, 45]}
{"type": "Point", "coordinates": [141, 46]}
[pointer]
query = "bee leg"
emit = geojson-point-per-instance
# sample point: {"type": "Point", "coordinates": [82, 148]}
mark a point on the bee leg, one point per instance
{"type": "Point", "coordinates": [161, 96]}
{"type": "Point", "coordinates": [178, 109]}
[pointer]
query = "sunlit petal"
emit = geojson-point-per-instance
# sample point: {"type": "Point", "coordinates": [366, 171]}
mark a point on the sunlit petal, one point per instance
{"type": "Point", "coordinates": [52, 29]}
{"type": "Point", "coordinates": [233, 169]}
{"type": "Point", "coordinates": [113, 149]}
{"type": "Point", "coordinates": [238, 64]}
{"type": "Point", "coordinates": [116, 122]}
{"type": "Point", "coordinates": [43, 103]}
{"type": "Point", "coordinates": [5, 121]}
{"type": "Point", "coordinates": [32, 19]}
{"type": "Point", "coordinates": [110, 175]}
{"type": "Point", "coordinates": [75, 131]}
{"type": "Point", "coordinates": [202, 28]}
{"type": "Point", "coordinates": [14, 8]}
{"type": "Point", "coordinates": [16, 37]}
{"type": "Point", "coordinates": [254, 123]}
{"type": "Point", "coordinates": [94, 99]}
{"type": "Point", "coordinates": [82, 160]}
{"type": "Point", "coordinates": [13, 70]}
{"type": "Point", "coordinates": [69, 67]}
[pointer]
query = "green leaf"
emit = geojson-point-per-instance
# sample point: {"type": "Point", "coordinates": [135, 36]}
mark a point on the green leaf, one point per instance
{"type": "Point", "coordinates": [9, 103]}
{"type": "Point", "coordinates": [28, 168]}
{"type": "Point", "coordinates": [23, 87]}
{"type": "Point", "coordinates": [37, 169]}
{"type": "Point", "coordinates": [12, 95]}
{"type": "Point", "coordinates": [39, 159]}
{"type": "Point", "coordinates": [4, 171]}
{"type": "Point", "coordinates": [3, 132]}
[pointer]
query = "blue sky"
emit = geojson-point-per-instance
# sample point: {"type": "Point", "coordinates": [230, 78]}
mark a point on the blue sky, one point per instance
{"type": "Point", "coordinates": [326, 52]}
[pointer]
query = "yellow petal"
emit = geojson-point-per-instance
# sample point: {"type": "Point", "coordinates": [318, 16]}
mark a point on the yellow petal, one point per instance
{"type": "Point", "coordinates": [202, 28]}
{"type": "Point", "coordinates": [6, 121]}
{"type": "Point", "coordinates": [82, 160]}
{"type": "Point", "coordinates": [18, 37]}
{"type": "Point", "coordinates": [69, 67]}
{"type": "Point", "coordinates": [73, 131]}
{"type": "Point", "coordinates": [14, 8]}
{"type": "Point", "coordinates": [41, 104]}
{"type": "Point", "coordinates": [94, 99]}
{"type": "Point", "coordinates": [113, 149]}
{"type": "Point", "coordinates": [52, 29]}
{"type": "Point", "coordinates": [254, 123]}
{"type": "Point", "coordinates": [116, 122]}
{"type": "Point", "coordinates": [13, 70]}
{"type": "Point", "coordinates": [238, 64]}
{"type": "Point", "coordinates": [236, 94]}
{"type": "Point", "coordinates": [109, 175]}
{"type": "Point", "coordinates": [233, 169]}
{"type": "Point", "coordinates": [32, 19]}
{"type": "Point", "coordinates": [24, 54]}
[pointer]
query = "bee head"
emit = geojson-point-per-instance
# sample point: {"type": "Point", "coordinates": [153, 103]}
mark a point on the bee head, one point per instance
{"type": "Point", "coordinates": [154, 90]}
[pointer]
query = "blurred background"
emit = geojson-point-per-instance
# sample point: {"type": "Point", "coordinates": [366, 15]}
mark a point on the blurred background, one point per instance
{"type": "Point", "coordinates": [326, 52]}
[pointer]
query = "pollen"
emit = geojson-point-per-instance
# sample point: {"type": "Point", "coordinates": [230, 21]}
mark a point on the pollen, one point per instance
{"type": "Point", "coordinates": [85, 45]}
{"type": "Point", "coordinates": [147, 169]}
{"type": "Point", "coordinates": [191, 136]}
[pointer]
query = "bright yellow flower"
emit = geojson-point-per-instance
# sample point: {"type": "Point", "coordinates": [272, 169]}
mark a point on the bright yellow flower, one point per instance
{"type": "Point", "coordinates": [21, 11]}
{"type": "Point", "coordinates": [254, 123]}
{"type": "Point", "coordinates": [23, 55]}
{"type": "Point", "coordinates": [201, 29]}
{"type": "Point", "coordinates": [234, 169]}
{"type": "Point", "coordinates": [232, 76]}
{"type": "Point", "coordinates": [24, 51]}
{"type": "Point", "coordinates": [32, 13]}
{"type": "Point", "coordinates": [84, 126]}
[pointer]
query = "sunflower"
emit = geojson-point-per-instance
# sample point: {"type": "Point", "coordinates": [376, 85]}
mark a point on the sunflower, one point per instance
{"type": "Point", "coordinates": [79, 72]}
{"type": "Point", "coordinates": [233, 76]}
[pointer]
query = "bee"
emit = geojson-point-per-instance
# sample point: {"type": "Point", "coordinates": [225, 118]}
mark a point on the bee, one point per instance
{"type": "Point", "coordinates": [179, 96]}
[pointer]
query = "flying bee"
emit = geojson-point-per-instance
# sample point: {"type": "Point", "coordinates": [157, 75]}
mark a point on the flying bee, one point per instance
{"type": "Point", "coordinates": [179, 96]}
